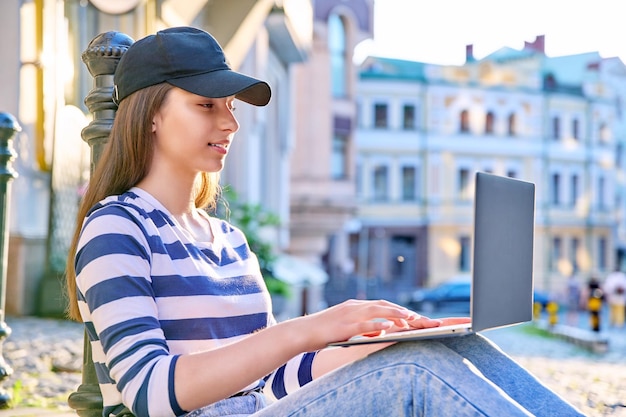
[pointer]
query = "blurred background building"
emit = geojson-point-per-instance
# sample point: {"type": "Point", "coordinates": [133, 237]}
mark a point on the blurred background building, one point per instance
{"type": "Point", "coordinates": [424, 130]}
{"type": "Point", "coordinates": [369, 167]}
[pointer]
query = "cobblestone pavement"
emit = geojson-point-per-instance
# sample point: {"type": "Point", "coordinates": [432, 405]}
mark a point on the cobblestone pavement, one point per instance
{"type": "Point", "coordinates": [46, 356]}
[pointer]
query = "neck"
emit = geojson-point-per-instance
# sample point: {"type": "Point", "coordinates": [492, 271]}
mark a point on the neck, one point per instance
{"type": "Point", "coordinates": [175, 195]}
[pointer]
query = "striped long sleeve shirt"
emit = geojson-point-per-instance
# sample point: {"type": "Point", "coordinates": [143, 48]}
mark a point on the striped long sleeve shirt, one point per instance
{"type": "Point", "coordinates": [148, 293]}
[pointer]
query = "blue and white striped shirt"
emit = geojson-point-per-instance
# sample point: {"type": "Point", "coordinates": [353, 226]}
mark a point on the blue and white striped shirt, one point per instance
{"type": "Point", "coordinates": [148, 292]}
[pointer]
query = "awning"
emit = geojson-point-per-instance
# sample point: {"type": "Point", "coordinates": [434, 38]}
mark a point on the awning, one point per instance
{"type": "Point", "coordinates": [297, 271]}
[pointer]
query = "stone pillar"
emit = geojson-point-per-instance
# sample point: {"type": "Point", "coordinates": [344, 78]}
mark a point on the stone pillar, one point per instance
{"type": "Point", "coordinates": [8, 129]}
{"type": "Point", "coordinates": [101, 58]}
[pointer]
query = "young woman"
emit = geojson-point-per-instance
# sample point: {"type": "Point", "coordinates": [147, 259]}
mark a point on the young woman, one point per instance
{"type": "Point", "coordinates": [175, 306]}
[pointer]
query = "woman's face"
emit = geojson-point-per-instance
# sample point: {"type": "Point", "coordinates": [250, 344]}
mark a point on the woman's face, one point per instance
{"type": "Point", "coordinates": [193, 133]}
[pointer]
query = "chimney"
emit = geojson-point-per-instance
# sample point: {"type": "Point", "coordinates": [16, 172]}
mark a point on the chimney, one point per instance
{"type": "Point", "coordinates": [538, 45]}
{"type": "Point", "coordinates": [469, 53]}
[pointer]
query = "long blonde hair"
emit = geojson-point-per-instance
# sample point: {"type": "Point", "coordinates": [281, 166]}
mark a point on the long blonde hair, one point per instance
{"type": "Point", "coordinates": [125, 161]}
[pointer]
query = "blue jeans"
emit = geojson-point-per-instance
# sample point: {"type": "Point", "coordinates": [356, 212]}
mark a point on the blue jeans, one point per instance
{"type": "Point", "coordinates": [459, 376]}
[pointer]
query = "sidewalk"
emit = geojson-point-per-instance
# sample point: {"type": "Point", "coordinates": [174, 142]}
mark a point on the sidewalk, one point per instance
{"type": "Point", "coordinates": [593, 382]}
{"type": "Point", "coordinates": [35, 412]}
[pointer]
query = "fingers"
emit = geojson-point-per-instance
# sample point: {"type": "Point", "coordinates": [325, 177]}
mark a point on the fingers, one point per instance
{"type": "Point", "coordinates": [368, 318]}
{"type": "Point", "coordinates": [455, 320]}
{"type": "Point", "coordinates": [381, 309]}
{"type": "Point", "coordinates": [424, 323]}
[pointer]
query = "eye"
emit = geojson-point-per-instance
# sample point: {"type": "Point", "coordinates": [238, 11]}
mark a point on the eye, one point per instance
{"type": "Point", "coordinates": [207, 105]}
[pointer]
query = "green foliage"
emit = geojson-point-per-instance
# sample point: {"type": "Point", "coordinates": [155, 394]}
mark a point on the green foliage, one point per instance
{"type": "Point", "coordinates": [276, 286]}
{"type": "Point", "coordinates": [533, 330]}
{"type": "Point", "coordinates": [18, 388]}
{"type": "Point", "coordinates": [251, 219]}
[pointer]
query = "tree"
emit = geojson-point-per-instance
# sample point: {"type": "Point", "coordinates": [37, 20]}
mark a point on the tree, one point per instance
{"type": "Point", "coordinates": [251, 219]}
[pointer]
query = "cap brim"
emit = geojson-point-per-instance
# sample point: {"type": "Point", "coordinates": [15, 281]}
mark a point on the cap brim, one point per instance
{"type": "Point", "coordinates": [225, 83]}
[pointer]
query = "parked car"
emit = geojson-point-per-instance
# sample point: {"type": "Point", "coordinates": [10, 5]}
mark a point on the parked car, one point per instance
{"type": "Point", "coordinates": [450, 296]}
{"type": "Point", "coordinates": [453, 296]}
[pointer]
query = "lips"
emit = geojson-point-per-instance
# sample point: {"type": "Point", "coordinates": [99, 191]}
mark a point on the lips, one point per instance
{"type": "Point", "coordinates": [221, 148]}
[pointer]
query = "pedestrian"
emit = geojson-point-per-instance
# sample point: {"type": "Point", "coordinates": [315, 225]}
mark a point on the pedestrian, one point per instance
{"type": "Point", "coordinates": [595, 298]}
{"type": "Point", "coordinates": [175, 306]}
{"type": "Point", "coordinates": [614, 289]}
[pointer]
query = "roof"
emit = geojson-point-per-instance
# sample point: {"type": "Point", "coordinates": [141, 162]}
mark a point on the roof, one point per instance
{"type": "Point", "coordinates": [391, 68]}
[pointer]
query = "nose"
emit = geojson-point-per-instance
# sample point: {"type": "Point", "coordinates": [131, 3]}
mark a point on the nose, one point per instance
{"type": "Point", "coordinates": [229, 120]}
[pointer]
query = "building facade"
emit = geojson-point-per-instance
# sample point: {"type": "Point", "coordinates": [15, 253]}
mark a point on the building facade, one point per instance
{"type": "Point", "coordinates": [45, 84]}
{"type": "Point", "coordinates": [322, 197]}
{"type": "Point", "coordinates": [424, 130]}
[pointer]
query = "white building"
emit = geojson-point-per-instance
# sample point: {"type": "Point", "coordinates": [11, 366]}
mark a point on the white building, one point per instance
{"type": "Point", "coordinates": [425, 129]}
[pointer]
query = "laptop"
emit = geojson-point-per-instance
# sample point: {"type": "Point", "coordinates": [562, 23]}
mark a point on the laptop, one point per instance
{"type": "Point", "coordinates": [502, 273]}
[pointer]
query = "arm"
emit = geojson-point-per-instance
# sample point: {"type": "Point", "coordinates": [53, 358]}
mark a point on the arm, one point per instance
{"type": "Point", "coordinates": [262, 352]}
{"type": "Point", "coordinates": [266, 350]}
{"type": "Point", "coordinates": [114, 267]}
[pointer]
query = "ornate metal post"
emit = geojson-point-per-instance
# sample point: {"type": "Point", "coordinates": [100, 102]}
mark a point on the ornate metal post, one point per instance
{"type": "Point", "coordinates": [8, 129]}
{"type": "Point", "coordinates": [101, 58]}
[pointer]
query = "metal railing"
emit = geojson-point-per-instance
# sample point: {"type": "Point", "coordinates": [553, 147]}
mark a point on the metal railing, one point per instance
{"type": "Point", "coordinates": [9, 127]}
{"type": "Point", "coordinates": [101, 58]}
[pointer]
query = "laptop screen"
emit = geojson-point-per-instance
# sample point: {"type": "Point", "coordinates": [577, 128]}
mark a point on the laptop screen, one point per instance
{"type": "Point", "coordinates": [502, 290]}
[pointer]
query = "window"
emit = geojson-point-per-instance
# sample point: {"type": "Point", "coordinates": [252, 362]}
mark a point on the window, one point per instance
{"type": "Point", "coordinates": [463, 184]}
{"type": "Point", "coordinates": [409, 183]}
{"type": "Point", "coordinates": [556, 189]}
{"type": "Point", "coordinates": [489, 121]}
{"type": "Point", "coordinates": [556, 128]}
{"type": "Point", "coordinates": [380, 115]}
{"type": "Point", "coordinates": [339, 158]}
{"type": "Point", "coordinates": [602, 253]}
{"type": "Point", "coordinates": [601, 191]}
{"type": "Point", "coordinates": [337, 50]}
{"type": "Point", "coordinates": [575, 129]}
{"type": "Point", "coordinates": [573, 190]}
{"type": "Point", "coordinates": [464, 122]}
{"type": "Point", "coordinates": [512, 125]}
{"type": "Point", "coordinates": [380, 183]}
{"type": "Point", "coordinates": [604, 133]}
{"type": "Point", "coordinates": [574, 254]}
{"type": "Point", "coordinates": [464, 254]}
{"type": "Point", "coordinates": [408, 117]}
{"type": "Point", "coordinates": [556, 253]}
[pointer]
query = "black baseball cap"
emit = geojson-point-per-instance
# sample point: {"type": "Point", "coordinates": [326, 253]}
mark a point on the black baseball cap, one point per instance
{"type": "Point", "coordinates": [188, 58]}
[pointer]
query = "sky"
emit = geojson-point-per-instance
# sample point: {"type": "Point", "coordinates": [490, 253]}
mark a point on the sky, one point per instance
{"type": "Point", "coordinates": [437, 31]}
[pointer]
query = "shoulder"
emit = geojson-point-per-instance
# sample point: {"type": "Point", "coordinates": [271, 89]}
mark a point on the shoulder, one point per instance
{"type": "Point", "coordinates": [130, 206]}
{"type": "Point", "coordinates": [124, 214]}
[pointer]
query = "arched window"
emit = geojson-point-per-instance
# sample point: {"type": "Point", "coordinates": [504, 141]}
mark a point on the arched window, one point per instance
{"type": "Point", "coordinates": [556, 128]}
{"type": "Point", "coordinates": [464, 127]}
{"type": "Point", "coordinates": [574, 190]}
{"type": "Point", "coordinates": [556, 189]}
{"type": "Point", "coordinates": [337, 50]}
{"type": "Point", "coordinates": [512, 125]}
{"type": "Point", "coordinates": [489, 120]}
{"type": "Point", "coordinates": [604, 133]}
